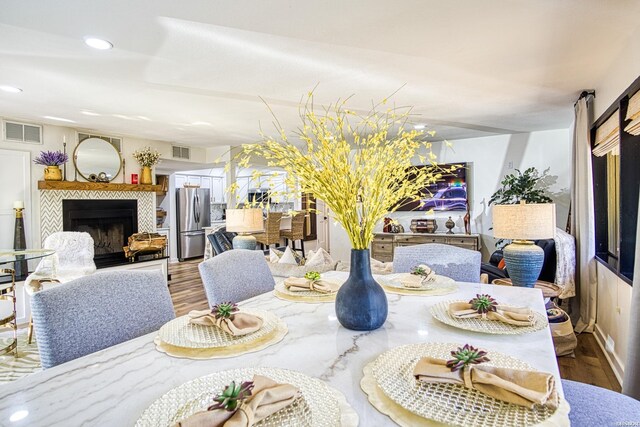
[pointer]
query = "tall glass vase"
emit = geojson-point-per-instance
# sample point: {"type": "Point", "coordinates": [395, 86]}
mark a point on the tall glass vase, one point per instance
{"type": "Point", "coordinates": [361, 304]}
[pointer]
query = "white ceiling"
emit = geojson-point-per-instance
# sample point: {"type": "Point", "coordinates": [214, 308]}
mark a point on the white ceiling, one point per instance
{"type": "Point", "coordinates": [193, 71]}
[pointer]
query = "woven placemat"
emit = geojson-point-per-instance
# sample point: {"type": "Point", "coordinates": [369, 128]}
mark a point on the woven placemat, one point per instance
{"type": "Point", "coordinates": [283, 293]}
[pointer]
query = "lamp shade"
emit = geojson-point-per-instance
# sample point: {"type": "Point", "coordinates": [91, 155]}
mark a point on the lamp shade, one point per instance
{"type": "Point", "coordinates": [244, 220]}
{"type": "Point", "coordinates": [524, 221]}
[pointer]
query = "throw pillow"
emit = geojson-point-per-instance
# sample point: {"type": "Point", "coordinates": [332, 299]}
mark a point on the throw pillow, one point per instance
{"type": "Point", "coordinates": [502, 264]}
{"type": "Point", "coordinates": [288, 257]}
{"type": "Point", "coordinates": [319, 257]}
{"type": "Point", "coordinates": [274, 256]}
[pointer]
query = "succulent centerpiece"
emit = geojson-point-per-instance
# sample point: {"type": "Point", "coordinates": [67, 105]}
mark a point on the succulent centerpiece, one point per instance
{"type": "Point", "coordinates": [224, 310]}
{"type": "Point", "coordinates": [232, 395]}
{"type": "Point", "coordinates": [465, 356]}
{"type": "Point", "coordinates": [483, 304]}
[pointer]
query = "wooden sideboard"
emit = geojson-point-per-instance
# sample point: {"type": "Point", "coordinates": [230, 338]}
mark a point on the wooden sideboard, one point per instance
{"type": "Point", "coordinates": [384, 243]}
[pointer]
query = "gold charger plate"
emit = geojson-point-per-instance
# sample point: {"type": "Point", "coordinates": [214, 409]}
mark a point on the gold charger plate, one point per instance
{"type": "Point", "coordinates": [221, 352]}
{"type": "Point", "coordinates": [440, 286]}
{"type": "Point", "coordinates": [320, 405]}
{"type": "Point", "coordinates": [283, 293]}
{"type": "Point", "coordinates": [440, 311]}
{"type": "Point", "coordinates": [391, 388]}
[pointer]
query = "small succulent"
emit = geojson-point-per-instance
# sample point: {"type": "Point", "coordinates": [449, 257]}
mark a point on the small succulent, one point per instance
{"type": "Point", "coordinates": [224, 310]}
{"type": "Point", "coordinates": [466, 355]}
{"type": "Point", "coordinates": [483, 303]}
{"type": "Point", "coordinates": [421, 270]}
{"type": "Point", "coordinates": [232, 395]}
{"type": "Point", "coordinates": [312, 275]}
{"type": "Point", "coordinates": [51, 158]}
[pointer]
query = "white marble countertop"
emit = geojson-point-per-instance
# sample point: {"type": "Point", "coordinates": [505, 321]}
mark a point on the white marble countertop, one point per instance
{"type": "Point", "coordinates": [114, 386]}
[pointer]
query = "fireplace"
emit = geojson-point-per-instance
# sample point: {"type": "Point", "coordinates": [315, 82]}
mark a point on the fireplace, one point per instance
{"type": "Point", "coordinates": [109, 222]}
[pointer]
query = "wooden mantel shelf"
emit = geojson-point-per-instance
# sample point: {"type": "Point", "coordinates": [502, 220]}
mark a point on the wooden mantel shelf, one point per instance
{"type": "Point", "coordinates": [96, 186]}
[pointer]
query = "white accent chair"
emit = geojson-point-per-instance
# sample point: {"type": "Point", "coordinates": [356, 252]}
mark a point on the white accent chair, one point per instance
{"type": "Point", "coordinates": [73, 259]}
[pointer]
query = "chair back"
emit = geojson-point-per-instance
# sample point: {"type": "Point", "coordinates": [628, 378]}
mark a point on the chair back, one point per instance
{"type": "Point", "coordinates": [272, 228]}
{"type": "Point", "coordinates": [297, 226]}
{"type": "Point", "coordinates": [459, 264]}
{"type": "Point", "coordinates": [74, 253]}
{"type": "Point", "coordinates": [98, 311]}
{"type": "Point", "coordinates": [235, 275]}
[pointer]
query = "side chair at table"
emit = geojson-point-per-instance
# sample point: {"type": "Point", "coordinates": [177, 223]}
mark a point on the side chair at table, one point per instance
{"type": "Point", "coordinates": [459, 264]}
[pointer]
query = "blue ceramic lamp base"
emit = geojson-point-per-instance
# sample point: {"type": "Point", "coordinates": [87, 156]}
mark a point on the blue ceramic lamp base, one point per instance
{"type": "Point", "coordinates": [244, 241]}
{"type": "Point", "coordinates": [524, 261]}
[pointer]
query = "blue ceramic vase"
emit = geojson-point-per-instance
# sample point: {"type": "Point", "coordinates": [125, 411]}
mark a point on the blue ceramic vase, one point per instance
{"type": "Point", "coordinates": [361, 304]}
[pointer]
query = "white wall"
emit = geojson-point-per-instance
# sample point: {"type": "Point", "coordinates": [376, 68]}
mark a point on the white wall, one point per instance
{"type": "Point", "coordinates": [52, 140]}
{"type": "Point", "coordinates": [613, 312]}
{"type": "Point", "coordinates": [489, 159]}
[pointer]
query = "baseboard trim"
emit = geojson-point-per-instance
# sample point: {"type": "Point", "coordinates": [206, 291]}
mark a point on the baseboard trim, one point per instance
{"type": "Point", "coordinates": [614, 361]}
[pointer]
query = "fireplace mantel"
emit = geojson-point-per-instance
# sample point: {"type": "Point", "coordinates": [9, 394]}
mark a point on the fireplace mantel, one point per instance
{"type": "Point", "coordinates": [96, 186]}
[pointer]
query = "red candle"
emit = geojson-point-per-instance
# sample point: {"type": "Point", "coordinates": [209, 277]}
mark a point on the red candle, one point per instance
{"type": "Point", "coordinates": [134, 178]}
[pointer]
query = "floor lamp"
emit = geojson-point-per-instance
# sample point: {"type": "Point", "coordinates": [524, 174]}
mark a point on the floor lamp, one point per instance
{"type": "Point", "coordinates": [524, 223]}
{"type": "Point", "coordinates": [244, 222]}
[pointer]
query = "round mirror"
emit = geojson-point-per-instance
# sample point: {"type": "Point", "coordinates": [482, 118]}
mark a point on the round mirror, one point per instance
{"type": "Point", "coordinates": [97, 160]}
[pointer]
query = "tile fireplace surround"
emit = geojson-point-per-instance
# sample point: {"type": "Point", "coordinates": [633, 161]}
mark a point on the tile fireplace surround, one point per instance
{"type": "Point", "coordinates": [51, 207]}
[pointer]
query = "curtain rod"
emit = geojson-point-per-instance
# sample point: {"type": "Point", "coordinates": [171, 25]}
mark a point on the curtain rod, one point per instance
{"type": "Point", "coordinates": [586, 93]}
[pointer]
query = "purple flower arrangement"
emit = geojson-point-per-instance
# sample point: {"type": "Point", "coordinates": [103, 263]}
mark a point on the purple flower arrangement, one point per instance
{"type": "Point", "coordinates": [51, 158]}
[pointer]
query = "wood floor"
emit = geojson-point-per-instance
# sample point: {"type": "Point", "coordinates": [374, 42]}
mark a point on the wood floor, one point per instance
{"type": "Point", "coordinates": [589, 365]}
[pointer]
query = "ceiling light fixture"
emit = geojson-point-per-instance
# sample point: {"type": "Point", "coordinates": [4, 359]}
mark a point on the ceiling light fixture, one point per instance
{"type": "Point", "coordinates": [59, 119]}
{"type": "Point", "coordinates": [90, 113]}
{"type": "Point", "coordinates": [10, 89]}
{"type": "Point", "coordinates": [419, 127]}
{"type": "Point", "coordinates": [96, 43]}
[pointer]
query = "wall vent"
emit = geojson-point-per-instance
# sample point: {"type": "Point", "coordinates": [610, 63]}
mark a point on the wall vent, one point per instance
{"type": "Point", "coordinates": [22, 132]}
{"type": "Point", "coordinates": [181, 152]}
{"type": "Point", "coordinates": [116, 142]}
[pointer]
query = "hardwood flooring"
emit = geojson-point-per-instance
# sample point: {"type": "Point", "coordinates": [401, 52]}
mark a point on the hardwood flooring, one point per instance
{"type": "Point", "coordinates": [589, 365]}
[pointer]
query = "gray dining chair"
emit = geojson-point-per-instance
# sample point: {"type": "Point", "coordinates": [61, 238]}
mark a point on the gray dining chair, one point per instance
{"type": "Point", "coordinates": [235, 275]}
{"type": "Point", "coordinates": [98, 311]}
{"type": "Point", "coordinates": [596, 406]}
{"type": "Point", "coordinates": [459, 264]}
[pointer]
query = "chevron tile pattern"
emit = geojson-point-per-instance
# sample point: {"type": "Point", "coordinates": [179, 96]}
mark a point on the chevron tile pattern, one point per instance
{"type": "Point", "coordinates": [51, 207]}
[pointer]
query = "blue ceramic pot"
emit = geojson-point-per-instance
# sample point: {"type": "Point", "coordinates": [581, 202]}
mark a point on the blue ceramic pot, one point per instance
{"type": "Point", "coordinates": [361, 304]}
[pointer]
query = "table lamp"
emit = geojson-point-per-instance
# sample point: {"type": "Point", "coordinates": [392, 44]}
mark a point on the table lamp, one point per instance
{"type": "Point", "coordinates": [523, 223]}
{"type": "Point", "coordinates": [243, 222]}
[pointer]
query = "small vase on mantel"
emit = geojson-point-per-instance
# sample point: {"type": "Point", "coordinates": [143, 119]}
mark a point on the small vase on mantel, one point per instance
{"type": "Point", "coordinates": [52, 173]}
{"type": "Point", "coordinates": [361, 304]}
{"type": "Point", "coordinates": [145, 176]}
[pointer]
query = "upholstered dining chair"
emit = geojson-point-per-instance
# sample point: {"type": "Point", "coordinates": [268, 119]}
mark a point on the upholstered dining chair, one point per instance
{"type": "Point", "coordinates": [271, 235]}
{"type": "Point", "coordinates": [235, 275]}
{"type": "Point", "coordinates": [459, 264]}
{"type": "Point", "coordinates": [98, 311]}
{"type": "Point", "coordinates": [73, 259]}
{"type": "Point", "coordinates": [596, 406]}
{"type": "Point", "coordinates": [296, 232]}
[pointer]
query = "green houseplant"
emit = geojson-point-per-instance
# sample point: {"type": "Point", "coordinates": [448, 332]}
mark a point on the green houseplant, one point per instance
{"type": "Point", "coordinates": [524, 186]}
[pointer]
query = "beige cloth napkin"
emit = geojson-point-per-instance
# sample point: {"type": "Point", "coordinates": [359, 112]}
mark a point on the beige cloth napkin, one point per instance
{"type": "Point", "coordinates": [300, 284]}
{"type": "Point", "coordinates": [237, 325]}
{"type": "Point", "coordinates": [524, 388]}
{"type": "Point", "coordinates": [516, 316]}
{"type": "Point", "coordinates": [267, 398]}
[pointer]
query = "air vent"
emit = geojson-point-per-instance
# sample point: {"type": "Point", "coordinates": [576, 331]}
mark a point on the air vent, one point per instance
{"type": "Point", "coordinates": [181, 152]}
{"type": "Point", "coordinates": [116, 142]}
{"type": "Point", "coordinates": [22, 132]}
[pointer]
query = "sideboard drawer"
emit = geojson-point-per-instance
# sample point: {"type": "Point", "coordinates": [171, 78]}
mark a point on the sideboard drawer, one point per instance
{"type": "Point", "coordinates": [418, 240]}
{"type": "Point", "coordinates": [463, 242]}
{"type": "Point", "coordinates": [382, 248]}
{"type": "Point", "coordinates": [382, 238]}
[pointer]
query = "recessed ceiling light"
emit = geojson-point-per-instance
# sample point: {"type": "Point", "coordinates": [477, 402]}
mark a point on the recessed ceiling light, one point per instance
{"type": "Point", "coordinates": [419, 127]}
{"type": "Point", "coordinates": [97, 43]}
{"type": "Point", "coordinates": [10, 89]}
{"type": "Point", "coordinates": [90, 113]}
{"type": "Point", "coordinates": [59, 119]}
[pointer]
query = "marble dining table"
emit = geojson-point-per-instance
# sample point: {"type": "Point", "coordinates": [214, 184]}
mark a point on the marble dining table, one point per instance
{"type": "Point", "coordinates": [114, 386]}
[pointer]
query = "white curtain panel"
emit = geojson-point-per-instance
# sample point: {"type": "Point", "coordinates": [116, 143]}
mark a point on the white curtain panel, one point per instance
{"type": "Point", "coordinates": [582, 219]}
{"type": "Point", "coordinates": [631, 383]}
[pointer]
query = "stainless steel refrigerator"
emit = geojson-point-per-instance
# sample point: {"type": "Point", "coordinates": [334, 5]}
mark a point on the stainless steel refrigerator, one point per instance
{"type": "Point", "coordinates": [193, 210]}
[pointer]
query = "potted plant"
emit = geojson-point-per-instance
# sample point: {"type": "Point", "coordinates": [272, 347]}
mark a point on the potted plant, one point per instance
{"type": "Point", "coordinates": [362, 167]}
{"type": "Point", "coordinates": [147, 158]}
{"type": "Point", "coordinates": [52, 160]}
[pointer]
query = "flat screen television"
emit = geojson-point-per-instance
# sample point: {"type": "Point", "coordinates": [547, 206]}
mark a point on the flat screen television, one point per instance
{"type": "Point", "coordinates": [448, 194]}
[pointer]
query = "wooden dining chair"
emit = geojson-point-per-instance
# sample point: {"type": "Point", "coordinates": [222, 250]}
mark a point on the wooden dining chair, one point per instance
{"type": "Point", "coordinates": [271, 235]}
{"type": "Point", "coordinates": [296, 232]}
{"type": "Point", "coordinates": [98, 311]}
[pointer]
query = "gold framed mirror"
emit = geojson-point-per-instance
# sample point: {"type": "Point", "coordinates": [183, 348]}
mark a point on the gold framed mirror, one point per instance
{"type": "Point", "coordinates": [97, 160]}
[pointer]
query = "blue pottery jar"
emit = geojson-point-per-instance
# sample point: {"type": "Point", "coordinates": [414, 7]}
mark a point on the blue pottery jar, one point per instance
{"type": "Point", "coordinates": [361, 304]}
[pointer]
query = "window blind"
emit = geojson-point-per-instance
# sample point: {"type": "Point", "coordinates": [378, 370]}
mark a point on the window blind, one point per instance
{"type": "Point", "coordinates": [608, 136]}
{"type": "Point", "coordinates": [633, 114]}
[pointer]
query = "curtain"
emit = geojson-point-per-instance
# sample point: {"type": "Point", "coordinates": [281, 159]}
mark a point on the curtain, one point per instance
{"type": "Point", "coordinates": [631, 383]}
{"type": "Point", "coordinates": [582, 219]}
